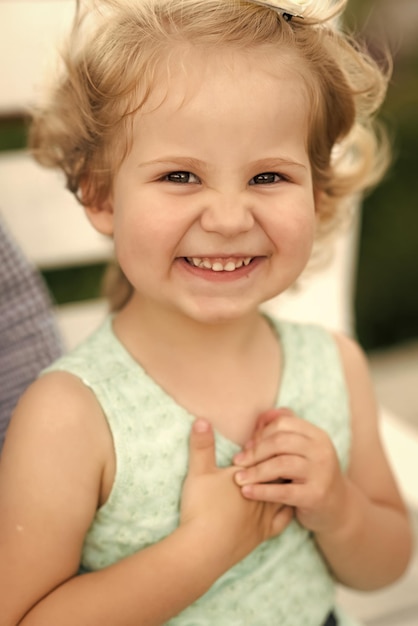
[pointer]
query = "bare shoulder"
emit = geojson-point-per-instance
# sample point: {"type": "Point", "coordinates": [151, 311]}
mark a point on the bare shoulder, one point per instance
{"type": "Point", "coordinates": [51, 471]}
{"type": "Point", "coordinates": [358, 379]}
{"type": "Point", "coordinates": [57, 409]}
{"type": "Point", "coordinates": [352, 355]}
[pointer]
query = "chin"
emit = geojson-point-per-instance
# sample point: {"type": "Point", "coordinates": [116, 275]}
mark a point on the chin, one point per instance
{"type": "Point", "coordinates": [209, 313]}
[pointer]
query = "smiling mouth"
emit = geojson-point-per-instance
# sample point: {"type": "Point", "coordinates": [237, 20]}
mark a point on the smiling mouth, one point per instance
{"type": "Point", "coordinates": [219, 265]}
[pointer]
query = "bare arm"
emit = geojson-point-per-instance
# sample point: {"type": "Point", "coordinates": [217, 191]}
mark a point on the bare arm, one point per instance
{"type": "Point", "coordinates": [359, 520]}
{"type": "Point", "coordinates": [372, 542]}
{"type": "Point", "coordinates": [51, 477]}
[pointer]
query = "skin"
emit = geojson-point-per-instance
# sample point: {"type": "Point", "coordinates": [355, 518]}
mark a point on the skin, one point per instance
{"type": "Point", "coordinates": [248, 193]}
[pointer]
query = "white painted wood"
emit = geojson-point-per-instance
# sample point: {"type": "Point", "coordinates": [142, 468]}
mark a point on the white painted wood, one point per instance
{"type": "Point", "coordinates": [46, 220]}
{"type": "Point", "coordinates": [76, 321]}
{"type": "Point", "coordinates": [29, 33]}
{"type": "Point", "coordinates": [401, 444]}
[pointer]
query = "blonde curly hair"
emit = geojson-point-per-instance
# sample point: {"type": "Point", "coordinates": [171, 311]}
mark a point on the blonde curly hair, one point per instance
{"type": "Point", "coordinates": [116, 48]}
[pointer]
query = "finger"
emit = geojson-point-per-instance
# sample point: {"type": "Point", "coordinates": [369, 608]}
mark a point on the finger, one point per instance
{"type": "Point", "coordinates": [286, 467]}
{"type": "Point", "coordinates": [266, 418]}
{"type": "Point", "coordinates": [290, 423]}
{"type": "Point", "coordinates": [286, 493]}
{"type": "Point", "coordinates": [282, 519]}
{"type": "Point", "coordinates": [271, 415]}
{"type": "Point", "coordinates": [278, 443]}
{"type": "Point", "coordinates": [269, 422]}
{"type": "Point", "coordinates": [201, 448]}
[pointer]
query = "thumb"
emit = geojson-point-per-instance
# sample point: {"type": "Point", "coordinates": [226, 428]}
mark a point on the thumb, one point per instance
{"type": "Point", "coordinates": [201, 448]}
{"type": "Point", "coordinates": [269, 416]}
{"type": "Point", "coordinates": [282, 519]}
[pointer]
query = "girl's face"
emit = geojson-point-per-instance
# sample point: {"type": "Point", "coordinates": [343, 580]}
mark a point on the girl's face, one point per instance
{"type": "Point", "coordinates": [212, 211]}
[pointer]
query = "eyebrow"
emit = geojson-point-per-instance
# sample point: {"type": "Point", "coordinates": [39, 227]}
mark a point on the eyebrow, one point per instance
{"type": "Point", "coordinates": [186, 162]}
{"type": "Point", "coordinates": [276, 162]}
{"type": "Point", "coordinates": [191, 163]}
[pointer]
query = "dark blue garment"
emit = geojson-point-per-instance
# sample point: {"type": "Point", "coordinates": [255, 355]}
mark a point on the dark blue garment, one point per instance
{"type": "Point", "coordinates": [29, 339]}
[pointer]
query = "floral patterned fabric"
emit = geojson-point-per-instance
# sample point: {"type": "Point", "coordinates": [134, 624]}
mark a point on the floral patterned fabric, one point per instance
{"type": "Point", "coordinates": [284, 582]}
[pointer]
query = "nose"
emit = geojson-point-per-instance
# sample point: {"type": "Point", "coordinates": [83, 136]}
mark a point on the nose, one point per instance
{"type": "Point", "coordinates": [228, 215]}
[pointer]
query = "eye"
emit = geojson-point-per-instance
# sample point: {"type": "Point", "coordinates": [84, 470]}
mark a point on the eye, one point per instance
{"type": "Point", "coordinates": [266, 178]}
{"type": "Point", "coordinates": [181, 177]}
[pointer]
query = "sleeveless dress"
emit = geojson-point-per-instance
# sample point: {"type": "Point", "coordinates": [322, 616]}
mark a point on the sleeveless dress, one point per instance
{"type": "Point", "coordinates": [283, 582]}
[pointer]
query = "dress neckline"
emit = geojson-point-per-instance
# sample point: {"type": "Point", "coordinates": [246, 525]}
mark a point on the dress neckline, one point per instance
{"type": "Point", "coordinates": [223, 442]}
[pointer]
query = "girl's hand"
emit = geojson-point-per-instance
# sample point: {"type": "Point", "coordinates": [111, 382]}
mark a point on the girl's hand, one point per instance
{"type": "Point", "coordinates": [211, 500]}
{"type": "Point", "coordinates": [293, 462]}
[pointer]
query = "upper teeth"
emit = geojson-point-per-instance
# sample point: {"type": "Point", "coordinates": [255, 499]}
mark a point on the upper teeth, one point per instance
{"type": "Point", "coordinates": [219, 265]}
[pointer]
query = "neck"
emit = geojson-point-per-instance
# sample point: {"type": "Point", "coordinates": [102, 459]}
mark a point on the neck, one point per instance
{"type": "Point", "coordinates": [228, 372]}
{"type": "Point", "coordinates": [140, 325]}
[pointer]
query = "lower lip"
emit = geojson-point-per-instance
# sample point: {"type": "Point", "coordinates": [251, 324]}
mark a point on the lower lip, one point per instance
{"type": "Point", "coordinates": [242, 272]}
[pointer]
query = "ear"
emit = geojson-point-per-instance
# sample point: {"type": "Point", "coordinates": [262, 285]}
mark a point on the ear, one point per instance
{"type": "Point", "coordinates": [101, 216]}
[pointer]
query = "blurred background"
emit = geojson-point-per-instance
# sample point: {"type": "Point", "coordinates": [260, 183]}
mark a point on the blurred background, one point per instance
{"type": "Point", "coordinates": [387, 280]}
{"type": "Point", "coordinates": [386, 284]}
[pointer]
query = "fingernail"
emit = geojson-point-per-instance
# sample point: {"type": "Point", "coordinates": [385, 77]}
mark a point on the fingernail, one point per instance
{"type": "Point", "coordinates": [247, 490]}
{"type": "Point", "coordinates": [201, 426]}
{"type": "Point", "coordinates": [240, 477]}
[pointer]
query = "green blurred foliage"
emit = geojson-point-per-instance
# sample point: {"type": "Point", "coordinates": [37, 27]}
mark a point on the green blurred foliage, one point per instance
{"type": "Point", "coordinates": [387, 280]}
{"type": "Point", "coordinates": [74, 284]}
{"type": "Point", "coordinates": [13, 133]}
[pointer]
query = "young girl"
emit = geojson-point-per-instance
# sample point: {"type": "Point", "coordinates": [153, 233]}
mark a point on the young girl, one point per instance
{"type": "Point", "coordinates": [196, 462]}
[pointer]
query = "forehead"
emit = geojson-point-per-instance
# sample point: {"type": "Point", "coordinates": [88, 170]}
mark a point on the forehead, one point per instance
{"type": "Point", "coordinates": [190, 76]}
{"type": "Point", "coordinates": [224, 108]}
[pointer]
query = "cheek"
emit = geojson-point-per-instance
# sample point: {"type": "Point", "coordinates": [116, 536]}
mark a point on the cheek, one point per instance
{"type": "Point", "coordinates": [305, 229]}
{"type": "Point", "coordinates": [294, 230]}
{"type": "Point", "coordinates": [129, 238]}
{"type": "Point", "coordinates": [145, 239]}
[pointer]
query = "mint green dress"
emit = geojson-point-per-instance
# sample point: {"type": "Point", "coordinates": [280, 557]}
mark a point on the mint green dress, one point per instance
{"type": "Point", "coordinates": [285, 581]}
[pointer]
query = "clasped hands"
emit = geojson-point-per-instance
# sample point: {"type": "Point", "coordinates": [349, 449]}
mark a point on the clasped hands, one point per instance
{"type": "Point", "coordinates": [293, 462]}
{"type": "Point", "coordinates": [288, 469]}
